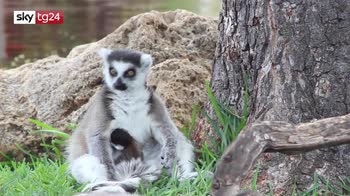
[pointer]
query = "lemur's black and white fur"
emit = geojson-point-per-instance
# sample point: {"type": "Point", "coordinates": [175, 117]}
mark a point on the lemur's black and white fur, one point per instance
{"type": "Point", "coordinates": [126, 105]}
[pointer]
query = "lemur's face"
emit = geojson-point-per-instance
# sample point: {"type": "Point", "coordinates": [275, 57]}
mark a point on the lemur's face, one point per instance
{"type": "Point", "coordinates": [125, 69]}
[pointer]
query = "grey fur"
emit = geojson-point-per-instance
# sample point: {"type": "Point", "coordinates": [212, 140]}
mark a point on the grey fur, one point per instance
{"type": "Point", "coordinates": [136, 168]}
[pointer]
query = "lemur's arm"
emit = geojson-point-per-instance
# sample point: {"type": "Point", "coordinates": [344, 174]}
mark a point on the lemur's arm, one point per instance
{"type": "Point", "coordinates": [164, 131]}
{"type": "Point", "coordinates": [163, 134]}
{"type": "Point", "coordinates": [100, 147]}
{"type": "Point", "coordinates": [99, 135]}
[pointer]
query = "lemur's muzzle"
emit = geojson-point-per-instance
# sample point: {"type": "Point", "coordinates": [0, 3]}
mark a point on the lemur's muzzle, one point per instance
{"type": "Point", "coordinates": [119, 85]}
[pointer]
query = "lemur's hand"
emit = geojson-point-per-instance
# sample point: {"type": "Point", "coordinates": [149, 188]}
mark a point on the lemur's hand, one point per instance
{"type": "Point", "coordinates": [168, 157]}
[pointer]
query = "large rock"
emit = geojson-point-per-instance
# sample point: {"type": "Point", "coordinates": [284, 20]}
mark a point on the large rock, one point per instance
{"type": "Point", "coordinates": [56, 90]}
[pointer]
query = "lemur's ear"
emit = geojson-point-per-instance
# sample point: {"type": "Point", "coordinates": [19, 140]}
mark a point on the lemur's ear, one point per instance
{"type": "Point", "coordinates": [146, 60]}
{"type": "Point", "coordinates": [104, 52]}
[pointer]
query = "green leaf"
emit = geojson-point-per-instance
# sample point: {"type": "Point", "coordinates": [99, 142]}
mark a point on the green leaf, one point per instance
{"type": "Point", "coordinates": [41, 124]}
{"type": "Point", "coordinates": [55, 132]}
{"type": "Point", "coordinates": [214, 103]}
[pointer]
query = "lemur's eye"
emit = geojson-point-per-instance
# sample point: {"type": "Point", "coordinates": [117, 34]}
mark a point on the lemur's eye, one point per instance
{"type": "Point", "coordinates": [113, 72]}
{"type": "Point", "coordinates": [130, 73]}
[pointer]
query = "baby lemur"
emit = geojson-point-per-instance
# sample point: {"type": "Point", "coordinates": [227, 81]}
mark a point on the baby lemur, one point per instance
{"type": "Point", "coordinates": [125, 146]}
{"type": "Point", "coordinates": [126, 109]}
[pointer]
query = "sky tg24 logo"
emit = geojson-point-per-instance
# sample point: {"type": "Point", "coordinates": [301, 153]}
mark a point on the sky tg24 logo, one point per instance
{"type": "Point", "coordinates": [38, 17]}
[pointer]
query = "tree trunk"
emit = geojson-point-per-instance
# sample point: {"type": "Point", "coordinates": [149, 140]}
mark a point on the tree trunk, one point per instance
{"type": "Point", "coordinates": [296, 55]}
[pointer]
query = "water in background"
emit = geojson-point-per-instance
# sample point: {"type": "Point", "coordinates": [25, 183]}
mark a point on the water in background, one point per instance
{"type": "Point", "coordinates": [85, 21]}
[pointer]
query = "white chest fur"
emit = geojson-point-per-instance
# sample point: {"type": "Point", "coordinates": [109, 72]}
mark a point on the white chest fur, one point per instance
{"type": "Point", "coordinates": [131, 114]}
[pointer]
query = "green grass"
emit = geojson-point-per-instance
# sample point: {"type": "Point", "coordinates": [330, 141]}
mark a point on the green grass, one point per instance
{"type": "Point", "coordinates": [322, 186]}
{"type": "Point", "coordinates": [37, 177]}
{"type": "Point", "coordinates": [227, 124]}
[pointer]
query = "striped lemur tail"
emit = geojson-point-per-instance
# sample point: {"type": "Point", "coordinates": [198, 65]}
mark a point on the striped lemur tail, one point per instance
{"type": "Point", "coordinates": [129, 173]}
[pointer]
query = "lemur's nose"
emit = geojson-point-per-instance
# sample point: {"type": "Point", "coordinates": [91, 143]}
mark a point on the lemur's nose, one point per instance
{"type": "Point", "coordinates": [120, 85]}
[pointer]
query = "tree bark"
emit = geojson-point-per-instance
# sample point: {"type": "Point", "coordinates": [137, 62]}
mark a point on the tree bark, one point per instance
{"type": "Point", "coordinates": [297, 58]}
{"type": "Point", "coordinates": [275, 136]}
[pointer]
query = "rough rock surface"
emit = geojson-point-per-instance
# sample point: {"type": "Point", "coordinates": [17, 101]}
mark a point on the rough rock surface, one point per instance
{"type": "Point", "coordinates": [181, 84]}
{"type": "Point", "coordinates": [56, 90]}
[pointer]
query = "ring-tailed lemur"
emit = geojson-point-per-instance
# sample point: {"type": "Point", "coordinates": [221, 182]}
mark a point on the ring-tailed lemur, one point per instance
{"type": "Point", "coordinates": [125, 147]}
{"type": "Point", "coordinates": [125, 103]}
